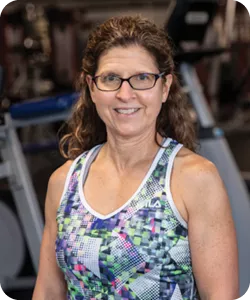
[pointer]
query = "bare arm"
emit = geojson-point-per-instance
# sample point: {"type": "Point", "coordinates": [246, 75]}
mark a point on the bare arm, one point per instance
{"type": "Point", "coordinates": [50, 283]}
{"type": "Point", "coordinates": [212, 234]}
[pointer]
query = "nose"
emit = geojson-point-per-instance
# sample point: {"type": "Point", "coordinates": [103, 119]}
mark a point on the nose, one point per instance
{"type": "Point", "coordinates": [125, 92]}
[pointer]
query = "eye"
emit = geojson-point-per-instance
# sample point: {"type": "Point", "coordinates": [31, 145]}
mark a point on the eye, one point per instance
{"type": "Point", "coordinates": [143, 77]}
{"type": "Point", "coordinates": [109, 78]}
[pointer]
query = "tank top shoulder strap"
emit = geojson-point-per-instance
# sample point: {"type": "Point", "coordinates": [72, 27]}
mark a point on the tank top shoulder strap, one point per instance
{"type": "Point", "coordinates": [71, 182]}
{"type": "Point", "coordinates": [73, 176]}
{"type": "Point", "coordinates": [171, 148]}
{"type": "Point", "coordinates": [169, 156]}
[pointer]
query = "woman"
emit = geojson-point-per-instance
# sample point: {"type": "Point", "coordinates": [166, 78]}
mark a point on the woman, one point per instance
{"type": "Point", "coordinates": [134, 212]}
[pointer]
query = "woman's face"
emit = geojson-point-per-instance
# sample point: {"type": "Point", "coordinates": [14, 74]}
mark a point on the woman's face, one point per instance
{"type": "Point", "coordinates": [128, 112]}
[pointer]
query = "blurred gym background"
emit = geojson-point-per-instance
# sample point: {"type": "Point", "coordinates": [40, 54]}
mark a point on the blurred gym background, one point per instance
{"type": "Point", "coordinates": [41, 47]}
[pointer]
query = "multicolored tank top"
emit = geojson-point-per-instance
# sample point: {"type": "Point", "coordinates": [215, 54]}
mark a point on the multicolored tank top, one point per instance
{"type": "Point", "coordinates": [138, 252]}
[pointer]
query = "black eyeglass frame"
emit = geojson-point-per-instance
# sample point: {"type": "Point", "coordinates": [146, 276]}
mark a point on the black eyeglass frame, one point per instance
{"type": "Point", "coordinates": [157, 76]}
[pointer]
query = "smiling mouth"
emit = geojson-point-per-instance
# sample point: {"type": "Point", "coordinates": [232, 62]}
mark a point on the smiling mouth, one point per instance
{"type": "Point", "coordinates": [128, 111]}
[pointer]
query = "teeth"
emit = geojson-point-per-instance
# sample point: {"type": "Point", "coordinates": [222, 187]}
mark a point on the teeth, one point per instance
{"type": "Point", "coordinates": [127, 111]}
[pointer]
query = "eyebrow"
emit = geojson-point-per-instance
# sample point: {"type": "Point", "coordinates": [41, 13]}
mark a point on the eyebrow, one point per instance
{"type": "Point", "coordinates": [109, 73]}
{"type": "Point", "coordinates": [116, 74]}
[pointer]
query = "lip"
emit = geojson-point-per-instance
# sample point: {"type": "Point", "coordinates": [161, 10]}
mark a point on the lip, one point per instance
{"type": "Point", "coordinates": [126, 115]}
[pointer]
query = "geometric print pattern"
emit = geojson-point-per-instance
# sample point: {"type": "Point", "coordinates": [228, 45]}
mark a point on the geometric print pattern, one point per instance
{"type": "Point", "coordinates": [140, 253]}
{"type": "Point", "coordinates": [90, 251]}
{"type": "Point", "coordinates": [147, 286]}
{"type": "Point", "coordinates": [181, 253]}
{"type": "Point", "coordinates": [127, 260]}
{"type": "Point", "coordinates": [177, 293]}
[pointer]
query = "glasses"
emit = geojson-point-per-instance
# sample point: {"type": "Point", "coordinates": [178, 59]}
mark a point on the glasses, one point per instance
{"type": "Point", "coordinates": [111, 82]}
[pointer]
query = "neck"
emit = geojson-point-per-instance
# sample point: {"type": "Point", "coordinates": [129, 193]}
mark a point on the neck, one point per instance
{"type": "Point", "coordinates": [125, 154]}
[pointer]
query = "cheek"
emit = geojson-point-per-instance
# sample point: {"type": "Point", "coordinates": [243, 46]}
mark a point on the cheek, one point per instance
{"type": "Point", "coordinates": [154, 100]}
{"type": "Point", "coordinates": [101, 100]}
{"type": "Point", "coordinates": [103, 104]}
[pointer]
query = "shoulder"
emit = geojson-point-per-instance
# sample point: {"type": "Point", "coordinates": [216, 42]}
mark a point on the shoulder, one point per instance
{"type": "Point", "coordinates": [56, 184]}
{"type": "Point", "coordinates": [54, 192]}
{"type": "Point", "coordinates": [200, 181]}
{"type": "Point", "coordinates": [192, 164]}
{"type": "Point", "coordinates": [59, 176]}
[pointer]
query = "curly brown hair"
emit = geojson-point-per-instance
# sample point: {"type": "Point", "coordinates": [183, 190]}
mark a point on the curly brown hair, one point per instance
{"type": "Point", "coordinates": [85, 127]}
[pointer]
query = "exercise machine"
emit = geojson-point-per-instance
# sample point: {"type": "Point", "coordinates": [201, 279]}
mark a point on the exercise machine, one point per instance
{"type": "Point", "coordinates": [188, 24]}
{"type": "Point", "coordinates": [14, 168]}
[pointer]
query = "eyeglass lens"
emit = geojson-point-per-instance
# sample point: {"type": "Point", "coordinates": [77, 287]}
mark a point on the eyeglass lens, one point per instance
{"type": "Point", "coordinates": [113, 82]}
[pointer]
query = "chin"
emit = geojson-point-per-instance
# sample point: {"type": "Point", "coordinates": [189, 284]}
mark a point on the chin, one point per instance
{"type": "Point", "coordinates": [128, 133]}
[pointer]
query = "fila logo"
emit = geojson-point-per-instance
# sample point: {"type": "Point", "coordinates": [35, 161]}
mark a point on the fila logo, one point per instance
{"type": "Point", "coordinates": [153, 204]}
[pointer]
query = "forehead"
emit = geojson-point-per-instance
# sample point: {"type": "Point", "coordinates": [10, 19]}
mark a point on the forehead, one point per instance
{"type": "Point", "coordinates": [127, 59]}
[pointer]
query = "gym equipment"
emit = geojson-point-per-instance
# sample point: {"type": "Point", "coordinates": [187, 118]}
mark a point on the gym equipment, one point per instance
{"type": "Point", "coordinates": [189, 21]}
{"type": "Point", "coordinates": [64, 50]}
{"type": "Point", "coordinates": [15, 169]}
{"type": "Point", "coordinates": [12, 243]}
{"type": "Point", "coordinates": [213, 144]}
{"type": "Point", "coordinates": [26, 51]}
{"type": "Point", "coordinates": [46, 106]}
